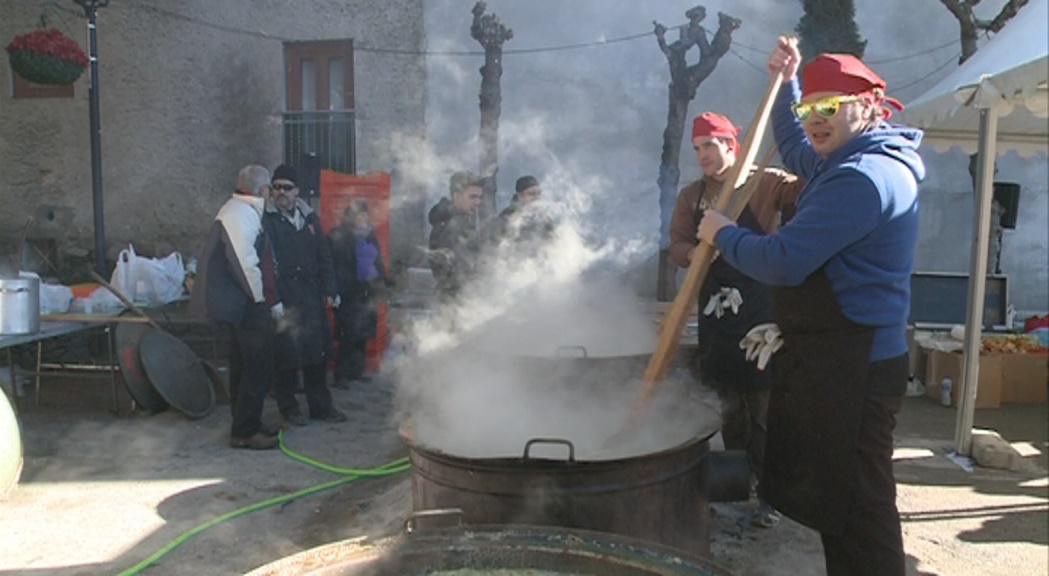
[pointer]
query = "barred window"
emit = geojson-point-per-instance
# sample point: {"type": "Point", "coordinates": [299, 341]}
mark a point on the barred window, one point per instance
{"type": "Point", "coordinates": [318, 119]}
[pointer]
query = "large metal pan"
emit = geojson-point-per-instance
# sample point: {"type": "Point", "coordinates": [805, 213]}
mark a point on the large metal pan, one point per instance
{"type": "Point", "coordinates": [128, 337]}
{"type": "Point", "coordinates": [504, 550]}
{"type": "Point", "coordinates": [177, 374]}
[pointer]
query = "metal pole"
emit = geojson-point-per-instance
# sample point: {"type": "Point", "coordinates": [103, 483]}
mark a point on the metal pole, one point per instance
{"type": "Point", "coordinates": [91, 10]}
{"type": "Point", "coordinates": [977, 280]}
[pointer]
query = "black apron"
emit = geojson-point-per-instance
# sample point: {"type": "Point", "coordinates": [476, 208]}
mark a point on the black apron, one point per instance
{"type": "Point", "coordinates": [722, 365]}
{"type": "Point", "coordinates": [820, 381]}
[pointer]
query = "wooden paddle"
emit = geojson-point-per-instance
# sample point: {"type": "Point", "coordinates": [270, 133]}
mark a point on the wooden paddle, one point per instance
{"type": "Point", "coordinates": [677, 314]}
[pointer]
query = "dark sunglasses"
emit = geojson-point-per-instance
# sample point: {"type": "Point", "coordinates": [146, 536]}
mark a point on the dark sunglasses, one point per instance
{"type": "Point", "coordinates": [826, 107]}
{"type": "Point", "coordinates": [284, 187]}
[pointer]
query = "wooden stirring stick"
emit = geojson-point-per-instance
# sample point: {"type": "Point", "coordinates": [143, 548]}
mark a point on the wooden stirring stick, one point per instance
{"type": "Point", "coordinates": [677, 314]}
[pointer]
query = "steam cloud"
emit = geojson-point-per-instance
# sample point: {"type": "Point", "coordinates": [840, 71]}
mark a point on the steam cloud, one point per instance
{"type": "Point", "coordinates": [543, 346]}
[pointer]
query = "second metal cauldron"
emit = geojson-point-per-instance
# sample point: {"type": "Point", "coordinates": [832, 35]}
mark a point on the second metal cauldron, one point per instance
{"type": "Point", "coordinates": [492, 549]}
{"type": "Point", "coordinates": [661, 497]}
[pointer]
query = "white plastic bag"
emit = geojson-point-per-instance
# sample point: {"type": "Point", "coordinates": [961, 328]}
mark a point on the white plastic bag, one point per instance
{"type": "Point", "coordinates": [55, 298]}
{"type": "Point", "coordinates": [149, 281]}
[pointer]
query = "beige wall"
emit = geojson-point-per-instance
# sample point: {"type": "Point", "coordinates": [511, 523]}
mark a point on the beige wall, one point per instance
{"type": "Point", "coordinates": [185, 104]}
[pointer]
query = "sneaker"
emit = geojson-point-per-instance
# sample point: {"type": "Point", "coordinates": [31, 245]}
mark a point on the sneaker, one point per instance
{"type": "Point", "coordinates": [295, 419]}
{"type": "Point", "coordinates": [259, 441]}
{"type": "Point", "coordinates": [765, 516]}
{"type": "Point", "coordinates": [334, 416]}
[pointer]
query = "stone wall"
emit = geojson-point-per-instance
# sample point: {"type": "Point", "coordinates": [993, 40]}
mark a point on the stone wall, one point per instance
{"type": "Point", "coordinates": [190, 92]}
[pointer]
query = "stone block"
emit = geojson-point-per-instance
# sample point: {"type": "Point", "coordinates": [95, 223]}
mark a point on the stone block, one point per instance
{"type": "Point", "coordinates": [990, 450]}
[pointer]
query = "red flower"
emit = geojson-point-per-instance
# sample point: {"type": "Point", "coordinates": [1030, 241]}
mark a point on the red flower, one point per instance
{"type": "Point", "coordinates": [50, 42]}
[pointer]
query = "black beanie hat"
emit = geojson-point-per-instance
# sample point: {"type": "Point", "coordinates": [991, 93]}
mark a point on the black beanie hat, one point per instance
{"type": "Point", "coordinates": [285, 172]}
{"type": "Point", "coordinates": [525, 182]}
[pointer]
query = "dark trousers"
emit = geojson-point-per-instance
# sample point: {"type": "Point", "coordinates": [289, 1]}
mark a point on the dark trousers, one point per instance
{"type": "Point", "coordinates": [871, 542]}
{"type": "Point", "coordinates": [743, 423]}
{"type": "Point", "coordinates": [314, 381]}
{"type": "Point", "coordinates": [251, 369]}
{"type": "Point", "coordinates": [351, 359]}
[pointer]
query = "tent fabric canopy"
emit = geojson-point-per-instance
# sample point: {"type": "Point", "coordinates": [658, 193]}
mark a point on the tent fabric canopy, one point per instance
{"type": "Point", "coordinates": [1010, 74]}
{"type": "Point", "coordinates": [998, 96]}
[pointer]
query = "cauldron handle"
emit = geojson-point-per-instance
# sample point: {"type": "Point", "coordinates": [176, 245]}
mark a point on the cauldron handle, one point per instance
{"type": "Point", "coordinates": [410, 521]}
{"type": "Point", "coordinates": [560, 352]}
{"type": "Point", "coordinates": [562, 441]}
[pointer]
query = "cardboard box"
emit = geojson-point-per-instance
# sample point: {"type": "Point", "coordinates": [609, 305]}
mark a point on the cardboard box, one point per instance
{"type": "Point", "coordinates": [1025, 378]}
{"type": "Point", "coordinates": [942, 365]}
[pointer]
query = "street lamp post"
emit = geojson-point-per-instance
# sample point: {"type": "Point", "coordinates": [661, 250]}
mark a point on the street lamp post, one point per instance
{"type": "Point", "coordinates": [91, 11]}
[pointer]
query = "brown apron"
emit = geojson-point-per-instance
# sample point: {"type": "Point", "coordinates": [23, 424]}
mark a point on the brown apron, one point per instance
{"type": "Point", "coordinates": [819, 386]}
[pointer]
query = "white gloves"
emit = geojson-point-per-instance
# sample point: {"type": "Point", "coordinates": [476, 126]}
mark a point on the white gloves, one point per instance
{"type": "Point", "coordinates": [338, 301]}
{"type": "Point", "coordinates": [277, 311]}
{"type": "Point", "coordinates": [726, 298]}
{"type": "Point", "coordinates": [761, 343]}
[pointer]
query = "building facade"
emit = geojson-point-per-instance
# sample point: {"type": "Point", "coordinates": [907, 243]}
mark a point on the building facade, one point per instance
{"type": "Point", "coordinates": [189, 93]}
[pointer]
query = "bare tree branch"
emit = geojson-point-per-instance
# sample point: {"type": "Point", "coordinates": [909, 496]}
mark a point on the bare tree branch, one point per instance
{"type": "Point", "coordinates": [491, 34]}
{"type": "Point", "coordinates": [684, 80]}
{"type": "Point", "coordinates": [955, 6]}
{"type": "Point", "coordinates": [971, 26]}
{"type": "Point", "coordinates": [1008, 11]}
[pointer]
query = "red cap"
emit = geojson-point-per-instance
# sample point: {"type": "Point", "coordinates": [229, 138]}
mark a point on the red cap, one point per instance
{"type": "Point", "coordinates": [716, 125]}
{"type": "Point", "coordinates": [845, 74]}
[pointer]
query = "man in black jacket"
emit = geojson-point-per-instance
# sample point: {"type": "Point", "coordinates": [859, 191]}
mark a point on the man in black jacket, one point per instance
{"type": "Point", "coordinates": [453, 240]}
{"type": "Point", "coordinates": [306, 285]}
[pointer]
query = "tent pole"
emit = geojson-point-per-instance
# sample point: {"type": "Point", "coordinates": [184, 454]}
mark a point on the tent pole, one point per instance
{"type": "Point", "coordinates": [977, 280]}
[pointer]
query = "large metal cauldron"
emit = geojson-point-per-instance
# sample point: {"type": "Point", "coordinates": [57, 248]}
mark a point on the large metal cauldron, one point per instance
{"type": "Point", "coordinates": [492, 549]}
{"type": "Point", "coordinates": [661, 497]}
{"type": "Point", "coordinates": [19, 305]}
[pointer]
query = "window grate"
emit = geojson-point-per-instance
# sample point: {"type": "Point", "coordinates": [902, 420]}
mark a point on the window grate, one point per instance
{"type": "Point", "coordinates": [328, 135]}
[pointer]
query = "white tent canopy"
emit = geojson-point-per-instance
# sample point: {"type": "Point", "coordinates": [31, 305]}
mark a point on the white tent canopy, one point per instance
{"type": "Point", "coordinates": [998, 96]}
{"type": "Point", "coordinates": [1009, 74]}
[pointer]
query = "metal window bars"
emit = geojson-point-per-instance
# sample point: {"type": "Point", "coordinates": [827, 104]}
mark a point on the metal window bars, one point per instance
{"type": "Point", "coordinates": [329, 135]}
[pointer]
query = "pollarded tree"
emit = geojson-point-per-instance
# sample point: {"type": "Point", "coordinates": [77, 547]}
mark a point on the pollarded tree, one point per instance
{"type": "Point", "coordinates": [971, 26]}
{"type": "Point", "coordinates": [491, 34]}
{"type": "Point", "coordinates": [685, 78]}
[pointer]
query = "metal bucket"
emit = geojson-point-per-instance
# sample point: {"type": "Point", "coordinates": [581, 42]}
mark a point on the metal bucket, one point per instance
{"type": "Point", "coordinates": [658, 497]}
{"type": "Point", "coordinates": [19, 306]}
{"type": "Point", "coordinates": [492, 549]}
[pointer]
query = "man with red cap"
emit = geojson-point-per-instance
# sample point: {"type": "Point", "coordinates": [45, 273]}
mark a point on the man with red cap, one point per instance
{"type": "Point", "coordinates": [842, 269]}
{"type": "Point", "coordinates": [731, 303]}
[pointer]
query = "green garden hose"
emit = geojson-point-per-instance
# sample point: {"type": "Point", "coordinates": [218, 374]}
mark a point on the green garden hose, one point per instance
{"type": "Point", "coordinates": [349, 475]}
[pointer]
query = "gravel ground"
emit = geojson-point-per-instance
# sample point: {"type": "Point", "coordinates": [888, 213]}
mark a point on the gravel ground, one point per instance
{"type": "Point", "coordinates": [101, 493]}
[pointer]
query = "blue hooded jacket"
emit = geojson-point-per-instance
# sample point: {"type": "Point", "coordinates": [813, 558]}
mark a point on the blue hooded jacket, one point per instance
{"type": "Point", "coordinates": [857, 216]}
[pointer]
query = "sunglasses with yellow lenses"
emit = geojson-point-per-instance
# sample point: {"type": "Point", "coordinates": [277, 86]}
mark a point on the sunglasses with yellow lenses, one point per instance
{"type": "Point", "coordinates": [825, 107]}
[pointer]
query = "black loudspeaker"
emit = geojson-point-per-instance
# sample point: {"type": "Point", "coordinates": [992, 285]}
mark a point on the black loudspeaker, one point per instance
{"type": "Point", "coordinates": [1007, 194]}
{"type": "Point", "coordinates": [310, 175]}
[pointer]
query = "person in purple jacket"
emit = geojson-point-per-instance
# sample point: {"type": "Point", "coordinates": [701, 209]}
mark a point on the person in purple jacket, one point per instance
{"type": "Point", "coordinates": [841, 270]}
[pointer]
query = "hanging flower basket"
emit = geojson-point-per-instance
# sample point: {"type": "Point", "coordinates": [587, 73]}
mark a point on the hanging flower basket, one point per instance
{"type": "Point", "coordinates": [47, 57]}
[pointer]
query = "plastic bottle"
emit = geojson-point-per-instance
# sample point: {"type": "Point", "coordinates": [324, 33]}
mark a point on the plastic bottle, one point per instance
{"type": "Point", "coordinates": [945, 391]}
